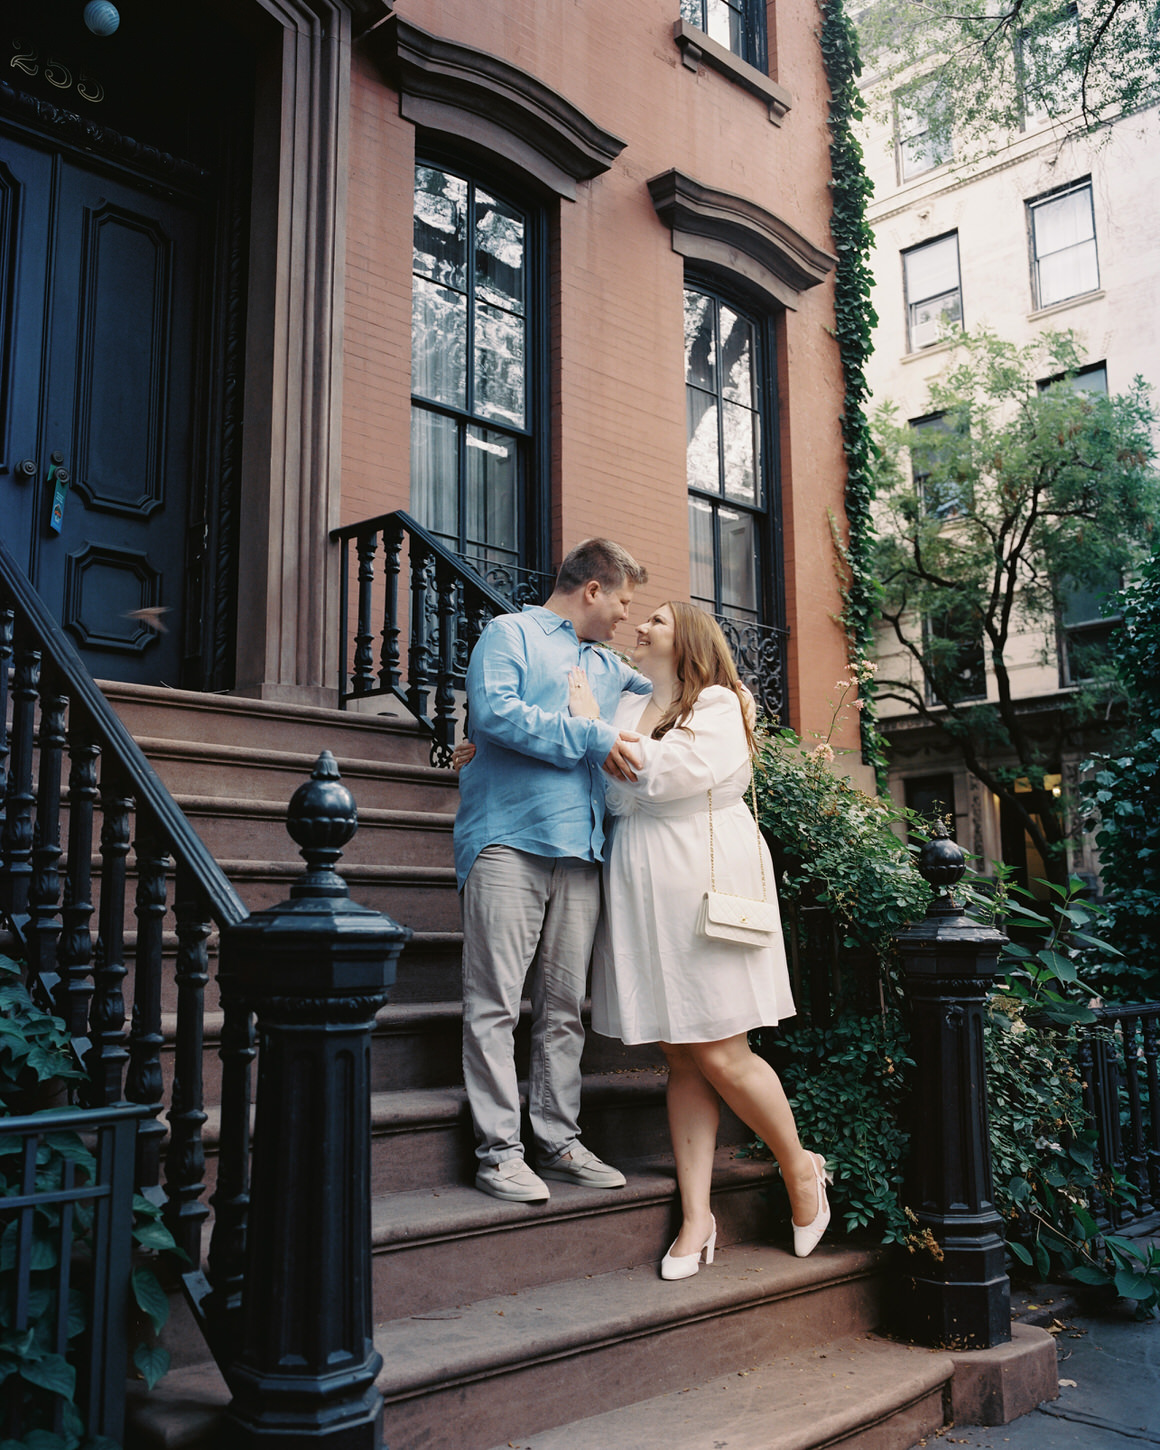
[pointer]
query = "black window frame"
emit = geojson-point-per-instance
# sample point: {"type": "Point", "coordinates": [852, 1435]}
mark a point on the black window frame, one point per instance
{"type": "Point", "coordinates": [754, 38]}
{"type": "Point", "coordinates": [534, 529]}
{"type": "Point", "coordinates": [768, 514]}
{"type": "Point", "coordinates": [972, 657]}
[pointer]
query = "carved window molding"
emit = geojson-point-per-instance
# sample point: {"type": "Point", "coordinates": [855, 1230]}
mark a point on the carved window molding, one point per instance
{"type": "Point", "coordinates": [739, 240]}
{"type": "Point", "coordinates": [481, 102]}
{"type": "Point", "coordinates": [698, 49]}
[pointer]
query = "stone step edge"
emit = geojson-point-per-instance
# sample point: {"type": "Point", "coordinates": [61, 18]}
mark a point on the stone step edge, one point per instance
{"type": "Point", "coordinates": [248, 870]}
{"type": "Point", "coordinates": [239, 808]}
{"type": "Point", "coordinates": [790, 1403]}
{"type": "Point", "coordinates": [410, 1219]}
{"type": "Point", "coordinates": [164, 747]}
{"type": "Point", "coordinates": [169, 697]}
{"type": "Point", "coordinates": [405, 1109]}
{"type": "Point", "coordinates": [446, 1349]}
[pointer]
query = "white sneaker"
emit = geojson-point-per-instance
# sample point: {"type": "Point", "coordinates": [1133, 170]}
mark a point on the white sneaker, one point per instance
{"type": "Point", "coordinates": [512, 1179]}
{"type": "Point", "coordinates": [582, 1166]}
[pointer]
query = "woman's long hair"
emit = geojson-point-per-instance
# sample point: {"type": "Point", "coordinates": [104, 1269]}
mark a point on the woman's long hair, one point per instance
{"type": "Point", "coordinates": [702, 658]}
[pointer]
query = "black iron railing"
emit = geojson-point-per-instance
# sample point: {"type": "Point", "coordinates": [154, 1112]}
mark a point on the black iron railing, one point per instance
{"type": "Point", "coordinates": [68, 753]}
{"type": "Point", "coordinates": [1118, 1065]}
{"type": "Point", "coordinates": [760, 653]}
{"type": "Point", "coordinates": [443, 606]}
{"type": "Point", "coordinates": [66, 1218]}
{"type": "Point", "coordinates": [447, 603]}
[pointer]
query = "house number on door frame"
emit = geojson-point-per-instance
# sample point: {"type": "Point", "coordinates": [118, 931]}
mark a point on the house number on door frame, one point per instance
{"type": "Point", "coordinates": [56, 73]}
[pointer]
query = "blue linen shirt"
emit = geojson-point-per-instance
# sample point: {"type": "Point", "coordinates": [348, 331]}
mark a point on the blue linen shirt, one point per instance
{"type": "Point", "coordinates": [535, 782]}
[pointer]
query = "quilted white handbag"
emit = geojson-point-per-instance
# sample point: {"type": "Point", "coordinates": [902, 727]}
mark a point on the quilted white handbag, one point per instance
{"type": "Point", "coordinates": [738, 919]}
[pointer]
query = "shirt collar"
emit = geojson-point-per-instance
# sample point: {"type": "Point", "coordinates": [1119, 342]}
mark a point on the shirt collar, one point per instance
{"type": "Point", "coordinates": [548, 620]}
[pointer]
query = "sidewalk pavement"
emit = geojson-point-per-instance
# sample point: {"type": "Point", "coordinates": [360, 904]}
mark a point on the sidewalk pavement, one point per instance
{"type": "Point", "coordinates": [1109, 1385]}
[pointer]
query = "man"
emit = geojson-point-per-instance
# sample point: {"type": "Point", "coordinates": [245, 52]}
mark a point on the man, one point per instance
{"type": "Point", "coordinates": [528, 841]}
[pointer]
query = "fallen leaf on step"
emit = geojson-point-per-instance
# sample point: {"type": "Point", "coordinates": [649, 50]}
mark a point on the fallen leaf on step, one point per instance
{"type": "Point", "coordinates": [1068, 1384]}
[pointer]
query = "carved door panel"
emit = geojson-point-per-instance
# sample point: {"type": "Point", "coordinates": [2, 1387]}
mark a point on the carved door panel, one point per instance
{"type": "Point", "coordinates": [100, 341]}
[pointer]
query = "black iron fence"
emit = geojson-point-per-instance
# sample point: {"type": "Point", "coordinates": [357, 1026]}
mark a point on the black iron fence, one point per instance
{"type": "Point", "coordinates": [441, 607]}
{"type": "Point", "coordinates": [66, 1223]}
{"type": "Point", "coordinates": [1118, 1064]}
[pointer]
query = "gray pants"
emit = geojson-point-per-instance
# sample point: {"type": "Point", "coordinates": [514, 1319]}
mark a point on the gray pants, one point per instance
{"type": "Point", "coordinates": [522, 911]}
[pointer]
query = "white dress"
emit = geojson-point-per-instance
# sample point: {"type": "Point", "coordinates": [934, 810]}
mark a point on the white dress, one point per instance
{"type": "Point", "coordinates": [653, 977]}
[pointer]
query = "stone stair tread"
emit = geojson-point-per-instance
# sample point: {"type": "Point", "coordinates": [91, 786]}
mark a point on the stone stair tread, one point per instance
{"type": "Point", "coordinates": [457, 1210]}
{"type": "Point", "coordinates": [242, 807]}
{"type": "Point", "coordinates": [435, 875]}
{"type": "Point", "coordinates": [173, 745]}
{"type": "Point", "coordinates": [408, 1105]}
{"type": "Point", "coordinates": [819, 1397]}
{"type": "Point", "coordinates": [446, 1347]}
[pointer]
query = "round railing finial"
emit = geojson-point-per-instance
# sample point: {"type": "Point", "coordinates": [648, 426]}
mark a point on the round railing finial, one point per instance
{"type": "Point", "coordinates": [322, 818]}
{"type": "Point", "coordinates": [941, 861]}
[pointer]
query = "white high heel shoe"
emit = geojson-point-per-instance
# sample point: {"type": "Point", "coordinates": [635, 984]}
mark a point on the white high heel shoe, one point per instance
{"type": "Point", "coordinates": [684, 1266]}
{"type": "Point", "coordinates": [806, 1238]}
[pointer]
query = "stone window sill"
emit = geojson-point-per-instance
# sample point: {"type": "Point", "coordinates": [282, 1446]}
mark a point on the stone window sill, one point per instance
{"type": "Point", "coordinates": [698, 50]}
{"type": "Point", "coordinates": [1068, 302]}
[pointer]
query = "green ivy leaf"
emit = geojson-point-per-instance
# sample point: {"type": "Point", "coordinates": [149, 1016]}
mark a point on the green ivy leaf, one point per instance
{"type": "Point", "coordinates": [51, 1372]}
{"type": "Point", "coordinates": [152, 1361]}
{"type": "Point", "coordinates": [151, 1297]}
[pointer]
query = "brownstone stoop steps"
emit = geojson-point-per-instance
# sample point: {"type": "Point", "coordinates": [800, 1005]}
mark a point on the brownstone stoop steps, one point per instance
{"type": "Point", "coordinates": [538, 1326]}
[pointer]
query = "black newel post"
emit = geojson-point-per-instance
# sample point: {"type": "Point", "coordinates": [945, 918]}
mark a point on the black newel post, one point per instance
{"type": "Point", "coordinates": [955, 1293]}
{"type": "Point", "coordinates": [315, 969]}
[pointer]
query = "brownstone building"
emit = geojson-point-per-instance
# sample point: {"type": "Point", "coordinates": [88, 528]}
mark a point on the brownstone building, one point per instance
{"type": "Point", "coordinates": [527, 270]}
{"type": "Point", "coordinates": [474, 261]}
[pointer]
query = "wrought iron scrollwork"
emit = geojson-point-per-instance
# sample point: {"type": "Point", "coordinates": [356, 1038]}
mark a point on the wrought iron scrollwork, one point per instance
{"type": "Point", "coordinates": [759, 650]}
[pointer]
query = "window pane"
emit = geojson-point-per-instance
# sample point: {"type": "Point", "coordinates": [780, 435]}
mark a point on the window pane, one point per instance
{"type": "Point", "coordinates": [701, 585]}
{"type": "Point", "coordinates": [1068, 274]}
{"type": "Point", "coordinates": [499, 253]}
{"type": "Point", "coordinates": [703, 464]}
{"type": "Point", "coordinates": [434, 469]}
{"type": "Point", "coordinates": [740, 439]}
{"type": "Point", "coordinates": [918, 115]}
{"type": "Point", "coordinates": [736, 357]}
{"type": "Point", "coordinates": [700, 348]}
{"type": "Point", "coordinates": [933, 270]}
{"type": "Point", "coordinates": [1063, 221]}
{"type": "Point", "coordinates": [499, 365]}
{"type": "Point", "coordinates": [928, 320]}
{"type": "Point", "coordinates": [440, 227]}
{"type": "Point", "coordinates": [492, 524]}
{"type": "Point", "coordinates": [439, 343]}
{"type": "Point", "coordinates": [723, 23]}
{"type": "Point", "coordinates": [738, 564]}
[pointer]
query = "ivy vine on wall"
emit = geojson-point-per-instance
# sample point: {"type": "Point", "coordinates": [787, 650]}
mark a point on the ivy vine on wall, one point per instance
{"type": "Point", "coordinates": [855, 318]}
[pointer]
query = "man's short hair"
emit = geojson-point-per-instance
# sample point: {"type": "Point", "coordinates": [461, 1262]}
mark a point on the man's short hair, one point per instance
{"type": "Point", "coordinates": [602, 560]}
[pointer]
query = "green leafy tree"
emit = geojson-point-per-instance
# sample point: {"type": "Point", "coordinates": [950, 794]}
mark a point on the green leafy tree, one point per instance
{"type": "Point", "coordinates": [989, 518]}
{"type": "Point", "coordinates": [991, 65]}
{"type": "Point", "coordinates": [1121, 792]}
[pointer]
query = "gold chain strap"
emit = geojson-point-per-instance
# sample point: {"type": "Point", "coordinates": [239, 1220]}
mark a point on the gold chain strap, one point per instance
{"type": "Point", "coordinates": [756, 827]}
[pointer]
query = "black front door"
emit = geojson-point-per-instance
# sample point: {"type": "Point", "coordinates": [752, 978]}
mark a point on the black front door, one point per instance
{"type": "Point", "coordinates": [99, 334]}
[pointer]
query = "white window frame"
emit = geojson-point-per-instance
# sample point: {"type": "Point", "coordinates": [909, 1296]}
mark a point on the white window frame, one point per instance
{"type": "Point", "coordinates": [1038, 206]}
{"type": "Point", "coordinates": [930, 330]}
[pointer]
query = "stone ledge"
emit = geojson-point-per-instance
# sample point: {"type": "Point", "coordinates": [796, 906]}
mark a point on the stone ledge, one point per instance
{"type": "Point", "coordinates": [996, 1386]}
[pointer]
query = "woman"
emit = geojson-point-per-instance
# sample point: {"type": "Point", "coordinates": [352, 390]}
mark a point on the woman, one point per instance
{"type": "Point", "coordinates": [654, 978]}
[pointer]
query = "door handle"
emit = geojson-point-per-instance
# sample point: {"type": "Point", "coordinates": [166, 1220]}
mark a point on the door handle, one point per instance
{"type": "Point", "coordinates": [26, 468]}
{"type": "Point", "coordinates": [58, 477]}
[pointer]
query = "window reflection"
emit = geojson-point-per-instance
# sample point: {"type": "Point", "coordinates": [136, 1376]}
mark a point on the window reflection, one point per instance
{"type": "Point", "coordinates": [727, 505]}
{"type": "Point", "coordinates": [469, 366]}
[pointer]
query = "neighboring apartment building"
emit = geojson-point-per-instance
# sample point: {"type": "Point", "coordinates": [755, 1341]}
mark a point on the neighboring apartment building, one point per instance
{"type": "Point", "coordinates": [532, 270]}
{"type": "Point", "coordinates": [1043, 233]}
